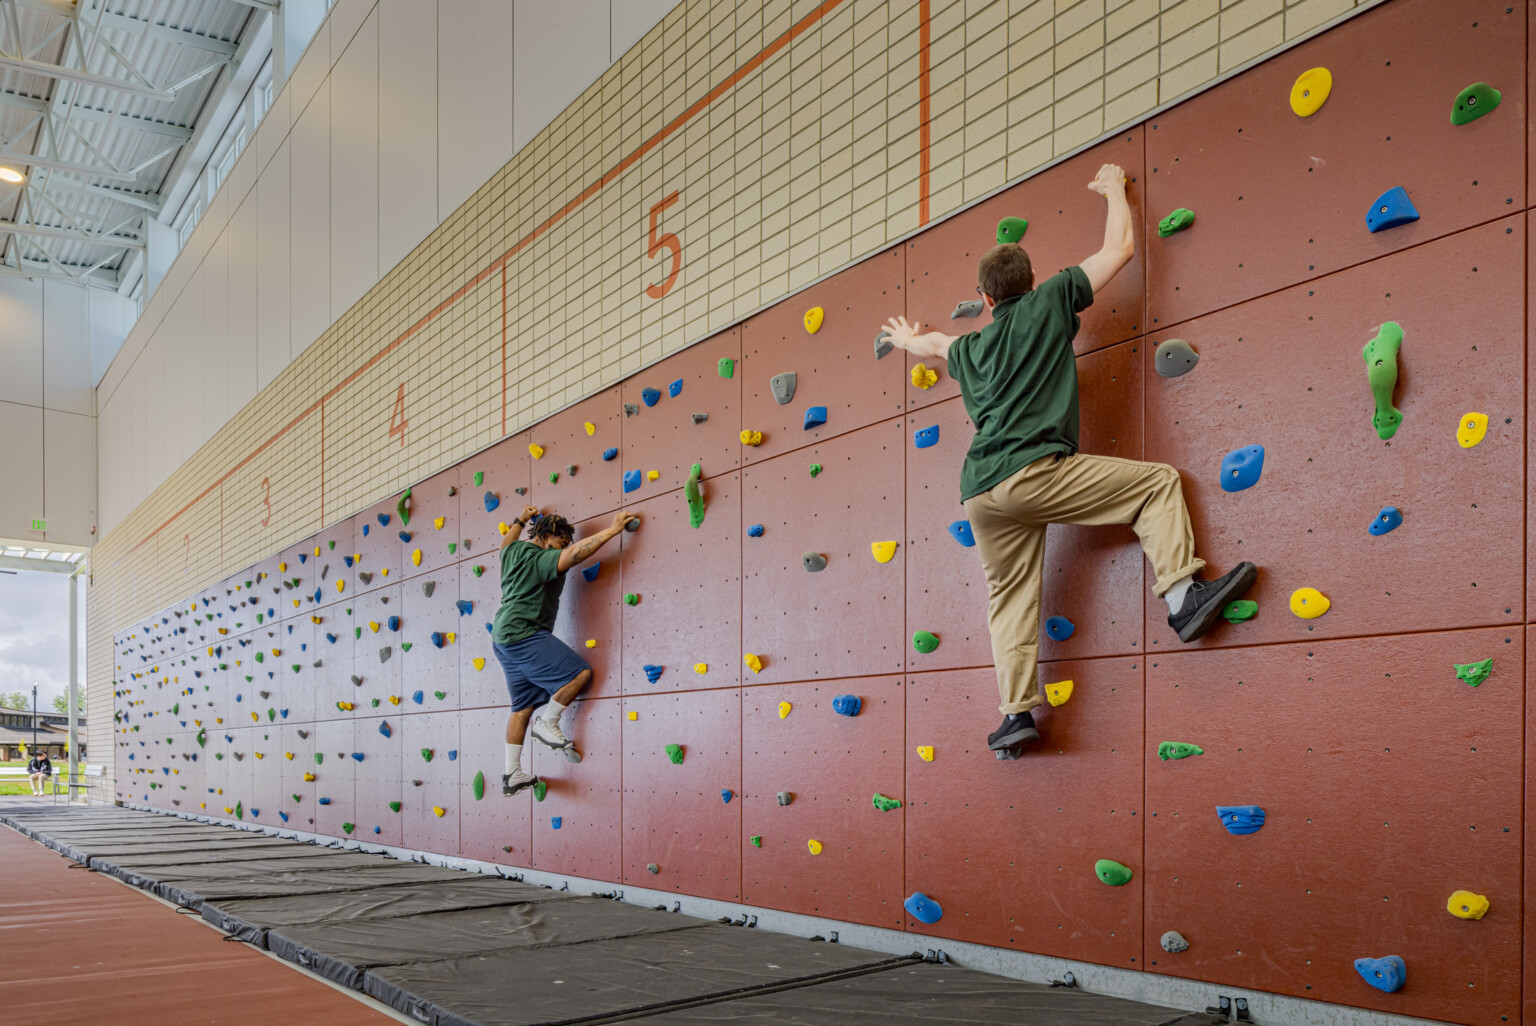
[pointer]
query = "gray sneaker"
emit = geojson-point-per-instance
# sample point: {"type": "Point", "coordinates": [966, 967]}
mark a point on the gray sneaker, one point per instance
{"type": "Point", "coordinates": [511, 783]}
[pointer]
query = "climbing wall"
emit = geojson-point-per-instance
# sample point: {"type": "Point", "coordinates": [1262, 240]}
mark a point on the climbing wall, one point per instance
{"type": "Point", "coordinates": [347, 685]}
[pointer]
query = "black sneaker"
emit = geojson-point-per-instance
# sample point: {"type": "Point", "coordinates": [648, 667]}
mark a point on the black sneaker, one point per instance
{"type": "Point", "coordinates": [1204, 600]}
{"type": "Point", "coordinates": [1015, 729]}
{"type": "Point", "coordinates": [512, 783]}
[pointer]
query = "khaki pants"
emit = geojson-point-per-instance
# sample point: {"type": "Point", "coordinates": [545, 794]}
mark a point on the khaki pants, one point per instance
{"type": "Point", "coordinates": [1009, 522]}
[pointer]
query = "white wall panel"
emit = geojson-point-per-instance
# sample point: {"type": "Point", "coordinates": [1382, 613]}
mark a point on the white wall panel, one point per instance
{"type": "Point", "coordinates": [312, 69]}
{"type": "Point", "coordinates": [309, 219]}
{"type": "Point", "coordinates": [110, 316]}
{"type": "Point", "coordinates": [21, 499]}
{"type": "Point", "coordinates": [631, 20]}
{"type": "Point", "coordinates": [347, 16]}
{"type": "Point", "coordinates": [66, 347]}
{"type": "Point", "coordinates": [192, 379]}
{"type": "Point", "coordinates": [109, 436]}
{"type": "Point", "coordinates": [474, 97]}
{"type": "Point", "coordinates": [558, 49]}
{"type": "Point", "coordinates": [69, 476]}
{"type": "Point", "coordinates": [244, 376]}
{"type": "Point", "coordinates": [21, 342]}
{"type": "Point", "coordinates": [154, 420]}
{"type": "Point", "coordinates": [273, 348]}
{"type": "Point", "coordinates": [355, 169]}
{"type": "Point", "coordinates": [407, 127]}
{"type": "Point", "coordinates": [215, 337]}
{"type": "Point", "coordinates": [136, 391]}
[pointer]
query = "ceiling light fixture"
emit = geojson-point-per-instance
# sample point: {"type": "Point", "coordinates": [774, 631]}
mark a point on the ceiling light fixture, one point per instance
{"type": "Point", "coordinates": [11, 175]}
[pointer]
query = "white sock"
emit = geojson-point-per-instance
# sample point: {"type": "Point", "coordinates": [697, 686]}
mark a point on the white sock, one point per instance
{"type": "Point", "coordinates": [514, 758]}
{"type": "Point", "coordinates": [1174, 596]}
{"type": "Point", "coordinates": [552, 711]}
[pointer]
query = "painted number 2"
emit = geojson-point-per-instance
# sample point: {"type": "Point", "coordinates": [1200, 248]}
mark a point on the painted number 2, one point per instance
{"type": "Point", "coordinates": [664, 241]}
{"type": "Point", "coordinates": [397, 421]}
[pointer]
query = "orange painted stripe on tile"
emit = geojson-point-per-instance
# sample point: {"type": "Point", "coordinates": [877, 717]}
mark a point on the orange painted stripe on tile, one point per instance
{"type": "Point", "coordinates": [924, 95]}
{"type": "Point", "coordinates": [699, 105]}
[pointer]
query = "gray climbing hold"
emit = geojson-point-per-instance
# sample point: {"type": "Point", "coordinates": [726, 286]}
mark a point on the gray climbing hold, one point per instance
{"type": "Point", "coordinates": [652, 868]}
{"type": "Point", "coordinates": [1173, 942]}
{"type": "Point", "coordinates": [785, 797]}
{"type": "Point", "coordinates": [385, 653]}
{"type": "Point", "coordinates": [969, 308]}
{"type": "Point", "coordinates": [814, 562]}
{"type": "Point", "coordinates": [1175, 357]}
{"type": "Point", "coordinates": [699, 418]}
{"type": "Point", "coordinates": [428, 587]}
{"type": "Point", "coordinates": [783, 386]}
{"type": "Point", "coordinates": [883, 345]}
{"type": "Point", "coordinates": [631, 409]}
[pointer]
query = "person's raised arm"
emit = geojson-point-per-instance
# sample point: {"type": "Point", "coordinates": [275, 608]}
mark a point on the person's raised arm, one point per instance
{"type": "Point", "coordinates": [1119, 238]}
{"type": "Point", "coordinates": [929, 346]}
{"type": "Point", "coordinates": [580, 552]}
{"type": "Point", "coordinates": [515, 528]}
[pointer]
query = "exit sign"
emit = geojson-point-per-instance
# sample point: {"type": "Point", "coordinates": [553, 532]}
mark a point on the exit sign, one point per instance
{"type": "Point", "coordinates": [39, 525]}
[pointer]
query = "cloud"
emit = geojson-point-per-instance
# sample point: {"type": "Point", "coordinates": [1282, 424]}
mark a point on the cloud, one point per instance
{"type": "Point", "coordinates": [34, 635]}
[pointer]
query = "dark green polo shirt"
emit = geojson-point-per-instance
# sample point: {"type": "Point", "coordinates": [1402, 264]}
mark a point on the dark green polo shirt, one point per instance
{"type": "Point", "coordinates": [1019, 380]}
{"type": "Point", "coordinates": [531, 583]}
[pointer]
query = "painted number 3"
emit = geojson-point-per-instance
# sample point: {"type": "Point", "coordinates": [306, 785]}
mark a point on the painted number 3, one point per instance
{"type": "Point", "coordinates": [664, 241]}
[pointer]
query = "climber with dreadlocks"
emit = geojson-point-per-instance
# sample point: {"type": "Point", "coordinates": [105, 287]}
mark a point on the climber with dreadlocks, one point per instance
{"type": "Point", "coordinates": [541, 669]}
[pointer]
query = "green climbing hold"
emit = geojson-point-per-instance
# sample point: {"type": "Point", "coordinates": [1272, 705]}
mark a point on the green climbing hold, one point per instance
{"type": "Point", "coordinates": [349, 827]}
{"type": "Point", "coordinates": [1011, 230]}
{"type": "Point", "coordinates": [1175, 222]}
{"type": "Point", "coordinates": [675, 753]}
{"type": "Point", "coordinates": [1177, 750]}
{"type": "Point", "coordinates": [539, 790]}
{"type": "Point", "coordinates": [757, 840]}
{"type": "Point", "coordinates": [477, 570]}
{"type": "Point", "coordinates": [631, 599]}
{"type": "Point", "coordinates": [1111, 872]}
{"type": "Point", "coordinates": [440, 695]}
{"type": "Point", "coordinates": [1380, 355]}
{"type": "Point", "coordinates": [727, 367]}
{"type": "Point", "coordinates": [1473, 102]}
{"type": "Point", "coordinates": [1239, 610]}
{"type": "Point", "coordinates": [883, 803]}
{"type": "Point", "coordinates": [400, 510]}
{"type": "Point", "coordinates": [1474, 673]}
{"type": "Point", "coordinates": [925, 642]}
{"type": "Point", "coordinates": [694, 497]}
{"type": "Point", "coordinates": [176, 709]}
{"type": "Point", "coordinates": [815, 469]}
{"type": "Point", "coordinates": [319, 758]}
{"type": "Point", "coordinates": [453, 547]}
{"type": "Point", "coordinates": [426, 754]}
{"type": "Point", "coordinates": [239, 810]}
{"type": "Point", "coordinates": [553, 477]}
{"type": "Point", "coordinates": [202, 738]}
{"type": "Point", "coordinates": [479, 786]}
{"type": "Point", "coordinates": [479, 478]}
{"type": "Point", "coordinates": [393, 806]}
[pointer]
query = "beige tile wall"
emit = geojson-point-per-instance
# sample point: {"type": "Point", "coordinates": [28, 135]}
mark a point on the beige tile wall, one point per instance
{"type": "Point", "coordinates": [807, 162]}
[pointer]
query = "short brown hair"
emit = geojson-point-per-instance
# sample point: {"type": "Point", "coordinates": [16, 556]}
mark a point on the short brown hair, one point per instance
{"type": "Point", "coordinates": [1005, 272]}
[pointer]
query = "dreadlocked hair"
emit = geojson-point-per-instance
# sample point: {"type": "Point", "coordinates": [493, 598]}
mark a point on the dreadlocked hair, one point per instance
{"type": "Point", "coordinates": [549, 525]}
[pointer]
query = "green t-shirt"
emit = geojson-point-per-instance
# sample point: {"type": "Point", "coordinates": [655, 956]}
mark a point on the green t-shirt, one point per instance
{"type": "Point", "coordinates": [531, 583]}
{"type": "Point", "coordinates": [1018, 377]}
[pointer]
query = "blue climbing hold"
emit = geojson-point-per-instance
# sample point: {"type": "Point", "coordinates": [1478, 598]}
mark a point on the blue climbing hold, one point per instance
{"type": "Point", "coordinates": [923, 908]}
{"type": "Point", "coordinates": [610, 454]}
{"type": "Point", "coordinates": [394, 623]}
{"type": "Point", "coordinates": [375, 829]}
{"type": "Point", "coordinates": [589, 574]}
{"type": "Point", "coordinates": [755, 531]}
{"type": "Point", "coordinates": [676, 388]}
{"type": "Point", "coordinates": [418, 696]}
{"type": "Point", "coordinates": [651, 396]}
{"type": "Point", "coordinates": [928, 436]}
{"type": "Point", "coordinates": [554, 821]}
{"type": "Point", "coordinates": [816, 416]}
{"type": "Point", "coordinates": [284, 816]}
{"type": "Point", "coordinates": [1388, 519]}
{"type": "Point", "coordinates": [317, 596]}
{"type": "Point", "coordinates": [960, 531]}
{"type": "Point", "coordinates": [632, 480]}
{"type": "Point", "coordinates": [439, 639]}
{"type": "Point", "coordinates": [491, 502]}
{"type": "Point", "coordinates": [348, 559]}
{"type": "Point", "coordinates": [1241, 468]}
{"type": "Point", "coordinates": [726, 795]}
{"type": "Point", "coordinates": [464, 606]}
{"type": "Point", "coordinates": [1391, 209]}
{"type": "Point", "coordinates": [283, 713]}
{"type": "Point", "coordinates": [405, 536]}
{"type": "Point", "coordinates": [652, 673]}
{"type": "Point", "coordinates": [453, 755]}
{"type": "Point", "coordinates": [1241, 819]}
{"type": "Point", "coordinates": [384, 728]}
{"type": "Point", "coordinates": [1060, 628]}
{"type": "Point", "coordinates": [358, 756]}
{"type": "Point", "coordinates": [331, 638]}
{"type": "Point", "coordinates": [365, 534]}
{"type": "Point", "coordinates": [303, 558]}
{"type": "Point", "coordinates": [847, 705]}
{"type": "Point", "coordinates": [383, 519]}
{"type": "Point", "coordinates": [1386, 974]}
{"type": "Point", "coordinates": [325, 801]}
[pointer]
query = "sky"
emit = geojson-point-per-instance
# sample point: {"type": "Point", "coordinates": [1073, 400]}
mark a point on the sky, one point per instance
{"type": "Point", "coordinates": [34, 634]}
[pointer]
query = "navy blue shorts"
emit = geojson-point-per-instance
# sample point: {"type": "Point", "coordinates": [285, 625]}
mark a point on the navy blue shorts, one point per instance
{"type": "Point", "coordinates": [537, 667]}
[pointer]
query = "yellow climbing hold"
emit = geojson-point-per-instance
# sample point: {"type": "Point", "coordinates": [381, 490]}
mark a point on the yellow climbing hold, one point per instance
{"type": "Point", "coordinates": [591, 642]}
{"type": "Point", "coordinates": [502, 527]}
{"type": "Point", "coordinates": [751, 438]}
{"type": "Point", "coordinates": [439, 811]}
{"type": "Point", "coordinates": [374, 625]}
{"type": "Point", "coordinates": [925, 752]}
{"type": "Point", "coordinates": [309, 778]}
{"type": "Point", "coordinates": [258, 755]}
{"type": "Point", "coordinates": [344, 706]}
{"type": "Point", "coordinates": [1310, 91]}
{"type": "Point", "coordinates": [479, 662]}
{"type": "Point", "coordinates": [416, 558]}
{"type": "Point", "coordinates": [652, 475]}
{"type": "Point", "coordinates": [1309, 603]}
{"type": "Point", "coordinates": [255, 718]}
{"type": "Point", "coordinates": [784, 708]}
{"type": "Point", "coordinates": [813, 318]}
{"type": "Point", "coordinates": [437, 524]}
{"type": "Point", "coordinates": [1058, 693]}
{"type": "Point", "coordinates": [312, 619]}
{"type": "Point", "coordinates": [1471, 429]}
{"type": "Point", "coordinates": [282, 568]}
{"type": "Point", "coordinates": [394, 699]}
{"type": "Point", "coordinates": [288, 756]}
{"type": "Point", "coordinates": [634, 715]}
{"type": "Point", "coordinates": [317, 550]}
{"type": "Point", "coordinates": [924, 378]}
{"type": "Point", "coordinates": [385, 571]}
{"type": "Point", "coordinates": [340, 584]}
{"type": "Point", "coordinates": [535, 450]}
{"type": "Point", "coordinates": [815, 847]}
{"type": "Point", "coordinates": [452, 637]}
{"type": "Point", "coordinates": [884, 551]}
{"type": "Point", "coordinates": [591, 428]}
{"type": "Point", "coordinates": [753, 662]}
{"type": "Point", "coordinates": [700, 667]}
{"type": "Point", "coordinates": [1466, 905]}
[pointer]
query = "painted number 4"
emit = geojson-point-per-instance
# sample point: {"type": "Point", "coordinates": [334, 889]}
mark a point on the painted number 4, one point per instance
{"type": "Point", "coordinates": [664, 241]}
{"type": "Point", "coordinates": [397, 421]}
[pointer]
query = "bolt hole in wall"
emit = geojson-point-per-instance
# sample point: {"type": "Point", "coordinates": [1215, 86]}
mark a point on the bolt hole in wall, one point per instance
{"type": "Point", "coordinates": [805, 616]}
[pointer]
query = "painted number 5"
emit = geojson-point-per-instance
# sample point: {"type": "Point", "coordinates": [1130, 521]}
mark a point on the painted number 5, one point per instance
{"type": "Point", "coordinates": [665, 241]}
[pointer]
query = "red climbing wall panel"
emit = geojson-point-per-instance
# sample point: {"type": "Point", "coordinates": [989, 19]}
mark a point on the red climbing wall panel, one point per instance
{"type": "Point", "coordinates": [425, 668]}
{"type": "Point", "coordinates": [664, 437]}
{"type": "Point", "coordinates": [435, 523]}
{"type": "Point", "coordinates": [675, 816]}
{"type": "Point", "coordinates": [1326, 474]}
{"type": "Point", "coordinates": [335, 776]}
{"type": "Point", "coordinates": [488, 827]}
{"type": "Point", "coordinates": [586, 797]}
{"type": "Point", "coordinates": [483, 684]}
{"type": "Point", "coordinates": [594, 488]}
{"type": "Point", "coordinates": [1008, 848]}
{"type": "Point", "coordinates": [376, 550]}
{"type": "Point", "coordinates": [291, 773]}
{"type": "Point", "coordinates": [689, 583]}
{"type": "Point", "coordinates": [437, 732]}
{"type": "Point", "coordinates": [381, 677]}
{"type": "Point", "coordinates": [298, 686]}
{"type": "Point", "coordinates": [594, 612]}
{"type": "Point", "coordinates": [329, 566]}
{"type": "Point", "coordinates": [832, 766]}
{"type": "Point", "coordinates": [845, 619]}
{"type": "Point", "coordinates": [1529, 868]}
{"type": "Point", "coordinates": [1374, 815]}
{"type": "Point", "coordinates": [1396, 71]}
{"type": "Point", "coordinates": [379, 776]}
{"type": "Point", "coordinates": [835, 367]}
{"type": "Point", "coordinates": [332, 681]}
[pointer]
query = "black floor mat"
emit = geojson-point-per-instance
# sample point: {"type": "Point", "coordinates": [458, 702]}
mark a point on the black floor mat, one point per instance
{"type": "Point", "coordinates": [217, 882]}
